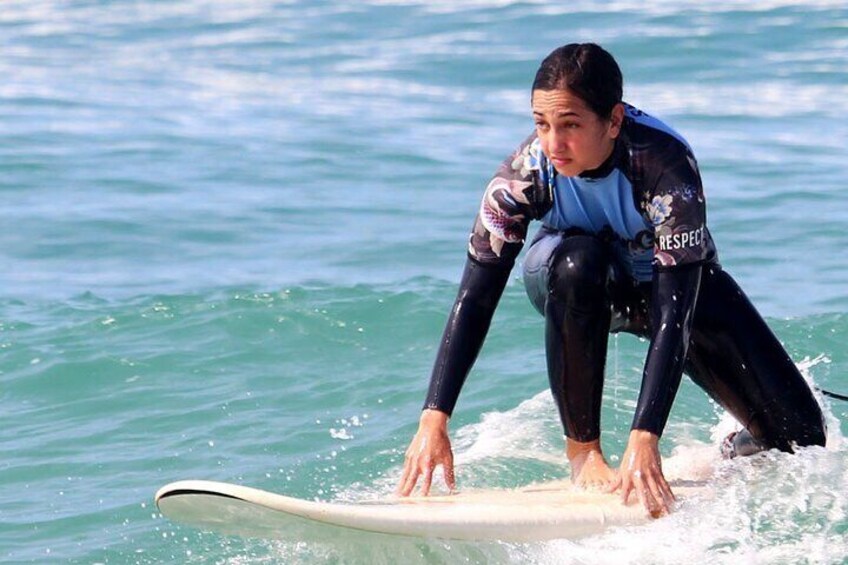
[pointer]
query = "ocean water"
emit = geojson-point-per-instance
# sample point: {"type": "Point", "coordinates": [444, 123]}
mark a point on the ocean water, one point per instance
{"type": "Point", "coordinates": [233, 231]}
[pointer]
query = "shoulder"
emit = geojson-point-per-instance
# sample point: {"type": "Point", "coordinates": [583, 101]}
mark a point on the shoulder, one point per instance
{"type": "Point", "coordinates": [525, 161]}
{"type": "Point", "coordinates": [648, 132]}
{"type": "Point", "coordinates": [522, 180]}
{"type": "Point", "coordinates": [657, 153]}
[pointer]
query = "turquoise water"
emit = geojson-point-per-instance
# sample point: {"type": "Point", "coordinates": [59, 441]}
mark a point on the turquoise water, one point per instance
{"type": "Point", "coordinates": [233, 232]}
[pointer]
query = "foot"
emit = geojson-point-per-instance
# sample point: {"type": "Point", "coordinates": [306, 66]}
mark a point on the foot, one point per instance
{"type": "Point", "coordinates": [589, 469]}
{"type": "Point", "coordinates": [740, 444]}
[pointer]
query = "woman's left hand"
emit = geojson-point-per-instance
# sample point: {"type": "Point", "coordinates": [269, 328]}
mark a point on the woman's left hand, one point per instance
{"type": "Point", "coordinates": [641, 471]}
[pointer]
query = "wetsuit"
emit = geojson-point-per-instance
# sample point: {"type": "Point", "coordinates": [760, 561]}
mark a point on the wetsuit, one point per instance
{"type": "Point", "coordinates": [624, 247]}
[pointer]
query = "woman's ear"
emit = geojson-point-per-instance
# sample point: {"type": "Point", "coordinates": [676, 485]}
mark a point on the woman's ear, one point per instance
{"type": "Point", "coordinates": [616, 119]}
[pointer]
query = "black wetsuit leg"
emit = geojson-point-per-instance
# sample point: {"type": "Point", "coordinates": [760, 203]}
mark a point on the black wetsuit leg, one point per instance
{"type": "Point", "coordinates": [733, 355]}
{"type": "Point", "coordinates": [577, 322]}
{"type": "Point", "coordinates": [739, 362]}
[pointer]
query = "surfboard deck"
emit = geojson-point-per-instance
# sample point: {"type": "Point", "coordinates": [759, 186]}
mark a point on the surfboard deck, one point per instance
{"type": "Point", "coordinates": [536, 512]}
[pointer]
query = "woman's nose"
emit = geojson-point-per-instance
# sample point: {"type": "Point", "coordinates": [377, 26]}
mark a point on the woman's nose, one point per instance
{"type": "Point", "coordinates": [556, 143]}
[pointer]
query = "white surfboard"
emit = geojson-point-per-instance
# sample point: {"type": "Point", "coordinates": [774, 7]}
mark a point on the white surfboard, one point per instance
{"type": "Point", "coordinates": [536, 512]}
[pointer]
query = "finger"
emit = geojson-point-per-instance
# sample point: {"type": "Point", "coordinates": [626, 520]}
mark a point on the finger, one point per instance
{"type": "Point", "coordinates": [661, 489]}
{"type": "Point", "coordinates": [666, 487]}
{"type": "Point", "coordinates": [647, 498]}
{"type": "Point", "coordinates": [403, 478]}
{"type": "Point", "coordinates": [614, 485]}
{"type": "Point", "coordinates": [411, 479]}
{"type": "Point", "coordinates": [626, 489]}
{"type": "Point", "coordinates": [641, 492]}
{"type": "Point", "coordinates": [660, 504]}
{"type": "Point", "coordinates": [408, 484]}
{"type": "Point", "coordinates": [427, 480]}
{"type": "Point", "coordinates": [667, 493]}
{"type": "Point", "coordinates": [450, 479]}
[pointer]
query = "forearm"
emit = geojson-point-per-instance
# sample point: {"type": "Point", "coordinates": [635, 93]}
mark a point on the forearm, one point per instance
{"type": "Point", "coordinates": [466, 329]}
{"type": "Point", "coordinates": [674, 295]}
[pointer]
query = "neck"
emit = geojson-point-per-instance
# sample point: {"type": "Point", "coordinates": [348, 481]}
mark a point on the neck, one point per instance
{"type": "Point", "coordinates": [604, 168]}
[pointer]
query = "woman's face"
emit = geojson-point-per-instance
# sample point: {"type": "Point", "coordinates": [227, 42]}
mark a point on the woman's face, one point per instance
{"type": "Point", "coordinates": [574, 138]}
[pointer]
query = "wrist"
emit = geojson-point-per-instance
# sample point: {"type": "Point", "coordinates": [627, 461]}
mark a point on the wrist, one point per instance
{"type": "Point", "coordinates": [433, 418]}
{"type": "Point", "coordinates": [644, 437]}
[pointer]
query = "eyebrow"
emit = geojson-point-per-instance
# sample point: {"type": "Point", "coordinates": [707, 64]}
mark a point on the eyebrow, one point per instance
{"type": "Point", "coordinates": [560, 115]}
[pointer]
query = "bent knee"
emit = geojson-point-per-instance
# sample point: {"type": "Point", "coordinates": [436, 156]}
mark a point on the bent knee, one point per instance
{"type": "Point", "coordinates": [815, 435]}
{"type": "Point", "coordinates": [798, 430]}
{"type": "Point", "coordinates": [579, 267]}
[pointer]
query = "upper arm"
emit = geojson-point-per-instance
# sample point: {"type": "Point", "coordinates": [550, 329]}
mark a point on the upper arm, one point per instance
{"type": "Point", "coordinates": [511, 199]}
{"type": "Point", "coordinates": [677, 210]}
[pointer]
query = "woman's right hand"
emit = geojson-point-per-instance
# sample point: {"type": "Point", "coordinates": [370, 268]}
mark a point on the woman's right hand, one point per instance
{"type": "Point", "coordinates": [429, 448]}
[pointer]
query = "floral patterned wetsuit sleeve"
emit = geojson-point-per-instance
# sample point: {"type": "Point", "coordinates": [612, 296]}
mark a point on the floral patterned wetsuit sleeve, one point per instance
{"type": "Point", "coordinates": [676, 208]}
{"type": "Point", "coordinates": [512, 198]}
{"type": "Point", "coordinates": [515, 195]}
{"type": "Point", "coordinates": [674, 204]}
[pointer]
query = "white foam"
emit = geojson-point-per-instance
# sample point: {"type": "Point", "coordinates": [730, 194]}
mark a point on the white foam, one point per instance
{"type": "Point", "coordinates": [771, 507]}
{"type": "Point", "coordinates": [525, 432]}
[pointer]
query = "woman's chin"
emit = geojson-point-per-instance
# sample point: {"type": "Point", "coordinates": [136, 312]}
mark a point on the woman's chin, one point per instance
{"type": "Point", "coordinates": [568, 170]}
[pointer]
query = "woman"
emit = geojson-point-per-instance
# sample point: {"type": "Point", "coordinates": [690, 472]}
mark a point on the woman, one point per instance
{"type": "Point", "coordinates": [623, 247]}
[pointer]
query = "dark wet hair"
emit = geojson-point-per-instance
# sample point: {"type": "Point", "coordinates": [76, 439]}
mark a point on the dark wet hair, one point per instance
{"type": "Point", "coordinates": [587, 70]}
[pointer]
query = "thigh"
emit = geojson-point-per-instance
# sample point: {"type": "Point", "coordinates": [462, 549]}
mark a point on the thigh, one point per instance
{"type": "Point", "coordinates": [736, 358]}
{"type": "Point", "coordinates": [537, 266]}
{"type": "Point", "coordinates": [630, 304]}
{"type": "Point", "coordinates": [629, 300]}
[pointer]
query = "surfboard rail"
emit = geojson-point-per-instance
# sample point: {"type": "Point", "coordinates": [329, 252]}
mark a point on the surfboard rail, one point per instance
{"type": "Point", "coordinates": [536, 512]}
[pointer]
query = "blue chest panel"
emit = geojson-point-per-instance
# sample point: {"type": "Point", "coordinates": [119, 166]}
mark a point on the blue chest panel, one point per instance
{"type": "Point", "coordinates": [596, 204]}
{"type": "Point", "coordinates": [600, 205]}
